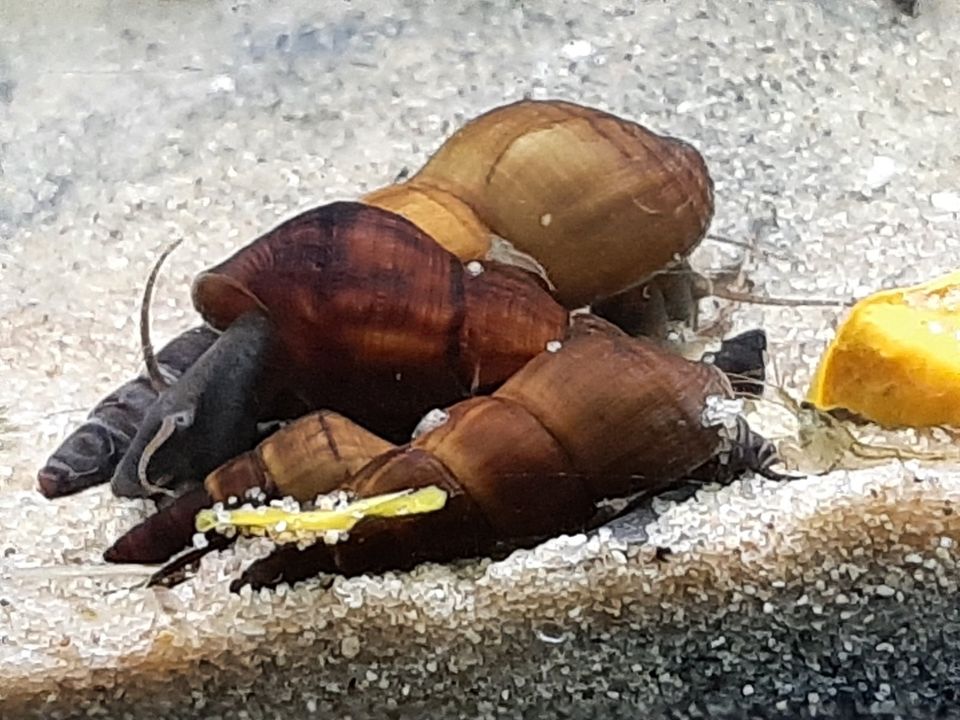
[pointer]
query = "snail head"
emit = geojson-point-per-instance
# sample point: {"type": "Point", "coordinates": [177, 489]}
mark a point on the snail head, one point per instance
{"type": "Point", "coordinates": [200, 420]}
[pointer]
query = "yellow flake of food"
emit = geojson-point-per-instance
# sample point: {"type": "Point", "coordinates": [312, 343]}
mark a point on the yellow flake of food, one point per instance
{"type": "Point", "coordinates": [270, 520]}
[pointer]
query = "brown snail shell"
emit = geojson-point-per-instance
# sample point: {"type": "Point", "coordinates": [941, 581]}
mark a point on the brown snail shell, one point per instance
{"type": "Point", "coordinates": [535, 458]}
{"type": "Point", "coordinates": [365, 303]}
{"type": "Point", "coordinates": [600, 202]}
{"type": "Point", "coordinates": [314, 455]}
{"type": "Point", "coordinates": [347, 307]}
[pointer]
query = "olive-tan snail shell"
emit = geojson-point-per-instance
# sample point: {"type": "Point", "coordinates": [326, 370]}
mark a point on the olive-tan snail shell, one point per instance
{"type": "Point", "coordinates": [601, 202]}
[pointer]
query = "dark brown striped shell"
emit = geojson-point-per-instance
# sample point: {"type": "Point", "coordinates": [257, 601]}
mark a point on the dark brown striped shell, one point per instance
{"type": "Point", "coordinates": [374, 319]}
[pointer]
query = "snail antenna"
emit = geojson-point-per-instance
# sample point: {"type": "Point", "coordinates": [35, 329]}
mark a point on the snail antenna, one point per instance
{"type": "Point", "coordinates": [159, 382]}
{"type": "Point", "coordinates": [726, 293]}
{"type": "Point", "coordinates": [722, 287]}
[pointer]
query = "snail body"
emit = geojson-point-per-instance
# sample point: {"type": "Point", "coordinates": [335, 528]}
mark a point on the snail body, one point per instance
{"type": "Point", "coordinates": [345, 307]}
{"type": "Point", "coordinates": [89, 455]}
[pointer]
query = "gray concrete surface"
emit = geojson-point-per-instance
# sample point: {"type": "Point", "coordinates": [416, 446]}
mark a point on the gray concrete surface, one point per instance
{"type": "Point", "coordinates": [830, 129]}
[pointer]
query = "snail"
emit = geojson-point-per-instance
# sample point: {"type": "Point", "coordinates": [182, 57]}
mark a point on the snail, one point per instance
{"type": "Point", "coordinates": [599, 202]}
{"type": "Point", "coordinates": [347, 307]}
{"type": "Point", "coordinates": [594, 203]}
{"type": "Point", "coordinates": [536, 458]}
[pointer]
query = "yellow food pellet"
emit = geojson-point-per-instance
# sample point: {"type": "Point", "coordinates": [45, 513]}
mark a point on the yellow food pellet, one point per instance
{"type": "Point", "coordinates": [896, 359]}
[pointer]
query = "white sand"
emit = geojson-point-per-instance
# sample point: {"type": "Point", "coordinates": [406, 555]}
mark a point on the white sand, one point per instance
{"type": "Point", "coordinates": [830, 129]}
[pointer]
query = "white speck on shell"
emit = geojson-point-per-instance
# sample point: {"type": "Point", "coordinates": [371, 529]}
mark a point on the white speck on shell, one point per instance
{"type": "Point", "coordinates": [431, 421]}
{"type": "Point", "coordinates": [223, 84]}
{"type": "Point", "coordinates": [475, 268]}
